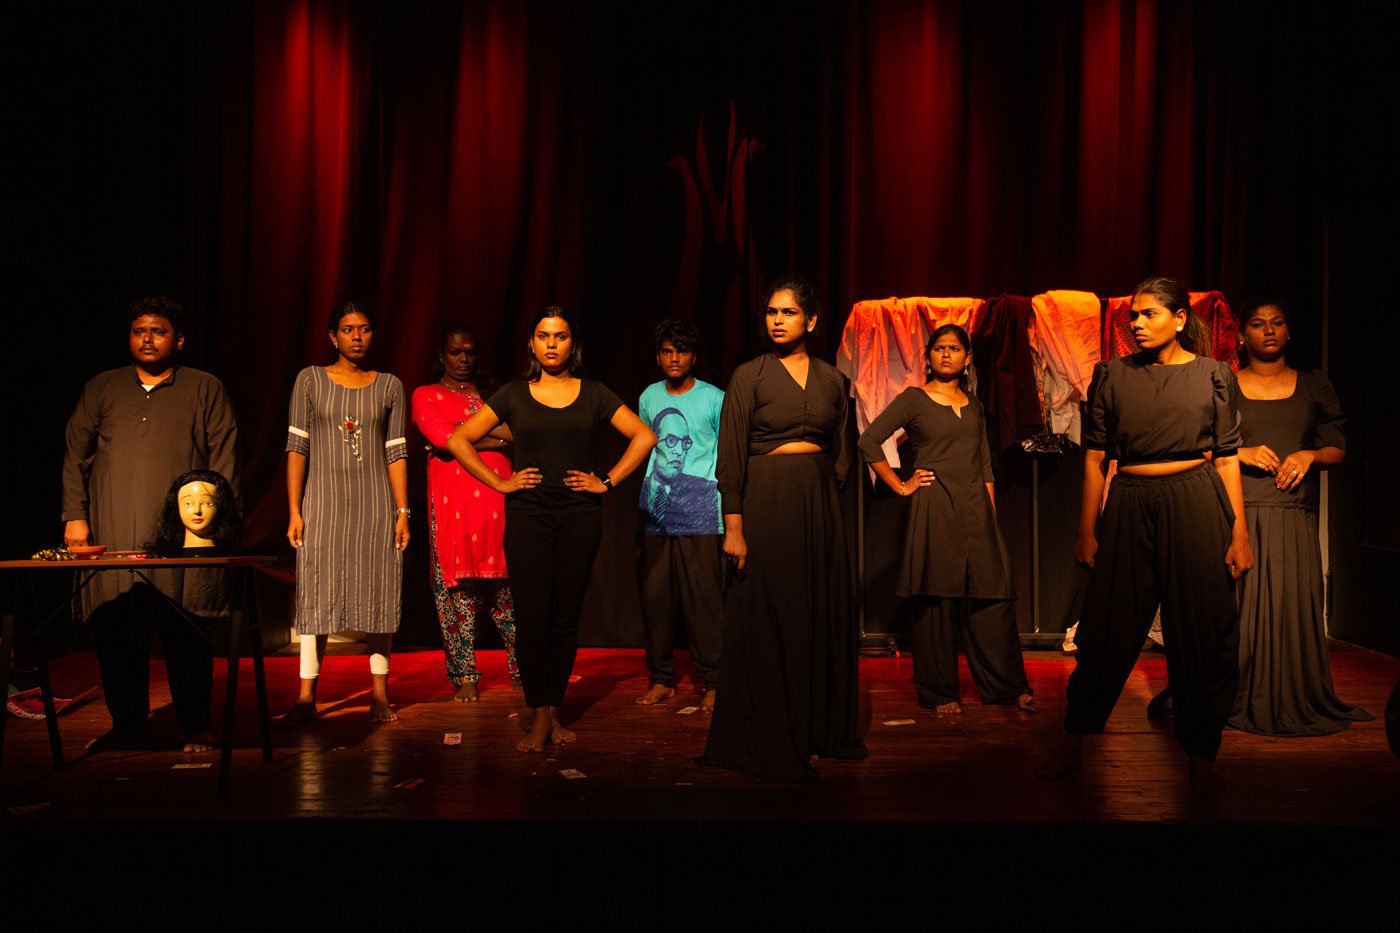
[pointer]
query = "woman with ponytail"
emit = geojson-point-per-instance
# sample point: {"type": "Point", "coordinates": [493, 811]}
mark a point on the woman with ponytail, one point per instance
{"type": "Point", "coordinates": [1172, 532]}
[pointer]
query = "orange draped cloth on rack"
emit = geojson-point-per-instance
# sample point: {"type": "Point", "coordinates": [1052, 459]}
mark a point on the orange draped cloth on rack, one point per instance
{"type": "Point", "coordinates": [882, 347]}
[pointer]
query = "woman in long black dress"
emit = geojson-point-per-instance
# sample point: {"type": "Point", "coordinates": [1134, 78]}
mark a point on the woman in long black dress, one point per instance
{"type": "Point", "coordinates": [1172, 532]}
{"type": "Point", "coordinates": [788, 682]}
{"type": "Point", "coordinates": [554, 517]}
{"type": "Point", "coordinates": [954, 562]}
{"type": "Point", "coordinates": [1291, 427]}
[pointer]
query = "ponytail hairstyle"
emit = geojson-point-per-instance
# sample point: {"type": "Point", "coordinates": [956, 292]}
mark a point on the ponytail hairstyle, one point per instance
{"type": "Point", "coordinates": [1173, 296]}
{"type": "Point", "coordinates": [968, 380]}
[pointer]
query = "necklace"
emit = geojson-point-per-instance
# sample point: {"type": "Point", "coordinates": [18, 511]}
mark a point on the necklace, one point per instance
{"type": "Point", "coordinates": [455, 388]}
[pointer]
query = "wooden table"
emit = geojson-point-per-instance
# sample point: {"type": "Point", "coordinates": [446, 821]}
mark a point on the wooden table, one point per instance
{"type": "Point", "coordinates": [242, 600]}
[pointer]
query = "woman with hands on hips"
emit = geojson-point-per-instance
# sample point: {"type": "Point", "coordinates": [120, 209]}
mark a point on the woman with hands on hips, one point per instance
{"type": "Point", "coordinates": [553, 513]}
{"type": "Point", "coordinates": [954, 564]}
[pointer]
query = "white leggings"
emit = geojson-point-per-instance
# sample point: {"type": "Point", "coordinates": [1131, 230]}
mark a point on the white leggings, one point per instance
{"type": "Point", "coordinates": [313, 649]}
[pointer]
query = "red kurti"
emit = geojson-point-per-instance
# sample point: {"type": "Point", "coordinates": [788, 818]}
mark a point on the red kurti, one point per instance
{"type": "Point", "coordinates": [469, 518]}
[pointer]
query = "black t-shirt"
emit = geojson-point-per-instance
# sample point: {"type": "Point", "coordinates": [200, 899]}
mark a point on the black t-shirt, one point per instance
{"type": "Point", "coordinates": [555, 440]}
{"type": "Point", "coordinates": [1144, 413]}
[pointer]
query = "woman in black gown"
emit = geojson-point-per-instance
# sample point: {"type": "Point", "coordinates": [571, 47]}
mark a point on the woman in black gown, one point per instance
{"type": "Point", "coordinates": [954, 561]}
{"type": "Point", "coordinates": [1172, 532]}
{"type": "Point", "coordinates": [1291, 427]}
{"type": "Point", "coordinates": [787, 686]}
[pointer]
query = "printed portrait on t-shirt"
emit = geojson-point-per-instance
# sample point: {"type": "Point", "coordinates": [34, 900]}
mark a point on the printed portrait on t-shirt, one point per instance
{"type": "Point", "coordinates": [676, 498]}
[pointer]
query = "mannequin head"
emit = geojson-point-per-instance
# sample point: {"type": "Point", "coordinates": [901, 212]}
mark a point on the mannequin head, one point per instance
{"type": "Point", "coordinates": [198, 512]}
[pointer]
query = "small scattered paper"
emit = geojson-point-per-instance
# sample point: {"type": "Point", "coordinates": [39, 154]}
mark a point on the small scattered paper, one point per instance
{"type": "Point", "coordinates": [409, 784]}
{"type": "Point", "coordinates": [26, 809]}
{"type": "Point", "coordinates": [684, 784]}
{"type": "Point", "coordinates": [573, 774]}
{"type": "Point", "coordinates": [687, 710]}
{"type": "Point", "coordinates": [575, 678]}
{"type": "Point", "coordinates": [192, 765]}
{"type": "Point", "coordinates": [899, 722]}
{"type": "Point", "coordinates": [513, 716]}
{"type": "Point", "coordinates": [452, 738]}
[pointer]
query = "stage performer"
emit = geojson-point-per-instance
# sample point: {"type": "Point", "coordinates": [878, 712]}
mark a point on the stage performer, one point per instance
{"type": "Point", "coordinates": [466, 518]}
{"type": "Point", "coordinates": [136, 429]}
{"type": "Point", "coordinates": [554, 519]}
{"type": "Point", "coordinates": [347, 489]}
{"type": "Point", "coordinates": [681, 567]}
{"type": "Point", "coordinates": [1172, 531]}
{"type": "Point", "coordinates": [788, 681]}
{"type": "Point", "coordinates": [954, 565]}
{"type": "Point", "coordinates": [1291, 427]}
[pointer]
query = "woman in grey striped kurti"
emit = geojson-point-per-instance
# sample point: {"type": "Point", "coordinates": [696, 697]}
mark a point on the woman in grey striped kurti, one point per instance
{"type": "Point", "coordinates": [347, 486]}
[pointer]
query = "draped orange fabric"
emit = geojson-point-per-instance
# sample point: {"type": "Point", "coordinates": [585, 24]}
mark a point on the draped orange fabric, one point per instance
{"type": "Point", "coordinates": [882, 346]}
{"type": "Point", "coordinates": [1065, 337]}
{"type": "Point", "coordinates": [1210, 307]}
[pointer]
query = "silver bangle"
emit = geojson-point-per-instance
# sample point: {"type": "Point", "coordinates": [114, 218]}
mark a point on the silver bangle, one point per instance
{"type": "Point", "coordinates": [405, 511]}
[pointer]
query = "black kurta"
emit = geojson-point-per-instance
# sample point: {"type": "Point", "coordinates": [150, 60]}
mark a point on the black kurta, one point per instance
{"type": "Point", "coordinates": [787, 682]}
{"type": "Point", "coordinates": [954, 545]}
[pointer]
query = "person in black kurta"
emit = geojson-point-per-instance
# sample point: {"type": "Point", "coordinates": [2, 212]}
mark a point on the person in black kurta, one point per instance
{"type": "Point", "coordinates": [1171, 533]}
{"type": "Point", "coordinates": [134, 430]}
{"type": "Point", "coordinates": [954, 563]}
{"type": "Point", "coordinates": [1291, 427]}
{"type": "Point", "coordinates": [787, 688]}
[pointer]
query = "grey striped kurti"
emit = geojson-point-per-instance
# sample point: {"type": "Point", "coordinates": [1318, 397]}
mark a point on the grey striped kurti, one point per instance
{"type": "Point", "coordinates": [349, 574]}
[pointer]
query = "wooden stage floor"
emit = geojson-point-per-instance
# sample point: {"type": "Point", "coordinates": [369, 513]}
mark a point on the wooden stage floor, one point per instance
{"type": "Point", "coordinates": [956, 793]}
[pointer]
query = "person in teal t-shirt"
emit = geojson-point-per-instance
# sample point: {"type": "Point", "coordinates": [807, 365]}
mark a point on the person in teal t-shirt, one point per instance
{"type": "Point", "coordinates": [682, 531]}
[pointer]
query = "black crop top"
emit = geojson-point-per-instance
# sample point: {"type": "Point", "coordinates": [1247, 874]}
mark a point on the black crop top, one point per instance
{"type": "Point", "coordinates": [1143, 413]}
{"type": "Point", "coordinates": [765, 408]}
{"type": "Point", "coordinates": [555, 440]}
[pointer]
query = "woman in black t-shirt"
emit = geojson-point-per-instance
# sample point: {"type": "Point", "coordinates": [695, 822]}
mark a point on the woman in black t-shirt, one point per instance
{"type": "Point", "coordinates": [1172, 531]}
{"type": "Point", "coordinates": [553, 515]}
{"type": "Point", "coordinates": [1291, 427]}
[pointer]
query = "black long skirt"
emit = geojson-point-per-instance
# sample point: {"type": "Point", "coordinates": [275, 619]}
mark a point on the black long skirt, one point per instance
{"type": "Point", "coordinates": [1285, 682]}
{"type": "Point", "coordinates": [787, 679]}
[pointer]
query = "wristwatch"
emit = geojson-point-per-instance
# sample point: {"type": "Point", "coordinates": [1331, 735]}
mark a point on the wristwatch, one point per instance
{"type": "Point", "coordinates": [607, 482]}
{"type": "Point", "coordinates": [405, 511]}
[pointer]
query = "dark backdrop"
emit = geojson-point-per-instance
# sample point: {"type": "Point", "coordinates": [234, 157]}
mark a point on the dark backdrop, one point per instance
{"type": "Point", "coordinates": [262, 161]}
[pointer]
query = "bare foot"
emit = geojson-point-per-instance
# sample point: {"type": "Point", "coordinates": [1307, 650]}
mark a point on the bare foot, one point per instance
{"type": "Point", "coordinates": [381, 711]}
{"type": "Point", "coordinates": [948, 709]}
{"type": "Point", "coordinates": [302, 712]}
{"type": "Point", "coordinates": [707, 705]}
{"type": "Point", "coordinates": [1203, 776]}
{"type": "Point", "coordinates": [1068, 757]}
{"type": "Point", "coordinates": [199, 742]}
{"type": "Point", "coordinates": [656, 693]}
{"type": "Point", "coordinates": [1026, 703]}
{"type": "Point", "coordinates": [561, 736]}
{"type": "Point", "coordinates": [466, 693]}
{"type": "Point", "coordinates": [538, 735]}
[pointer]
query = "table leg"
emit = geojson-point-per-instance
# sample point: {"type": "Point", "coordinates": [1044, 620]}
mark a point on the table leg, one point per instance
{"type": "Point", "coordinates": [230, 702]}
{"type": "Point", "coordinates": [259, 677]}
{"type": "Point", "coordinates": [41, 661]}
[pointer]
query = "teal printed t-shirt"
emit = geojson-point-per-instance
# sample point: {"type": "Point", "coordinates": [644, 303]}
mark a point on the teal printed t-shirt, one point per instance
{"type": "Point", "coordinates": [679, 494]}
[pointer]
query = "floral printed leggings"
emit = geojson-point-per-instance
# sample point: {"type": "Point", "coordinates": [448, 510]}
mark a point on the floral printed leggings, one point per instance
{"type": "Point", "coordinates": [459, 608]}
